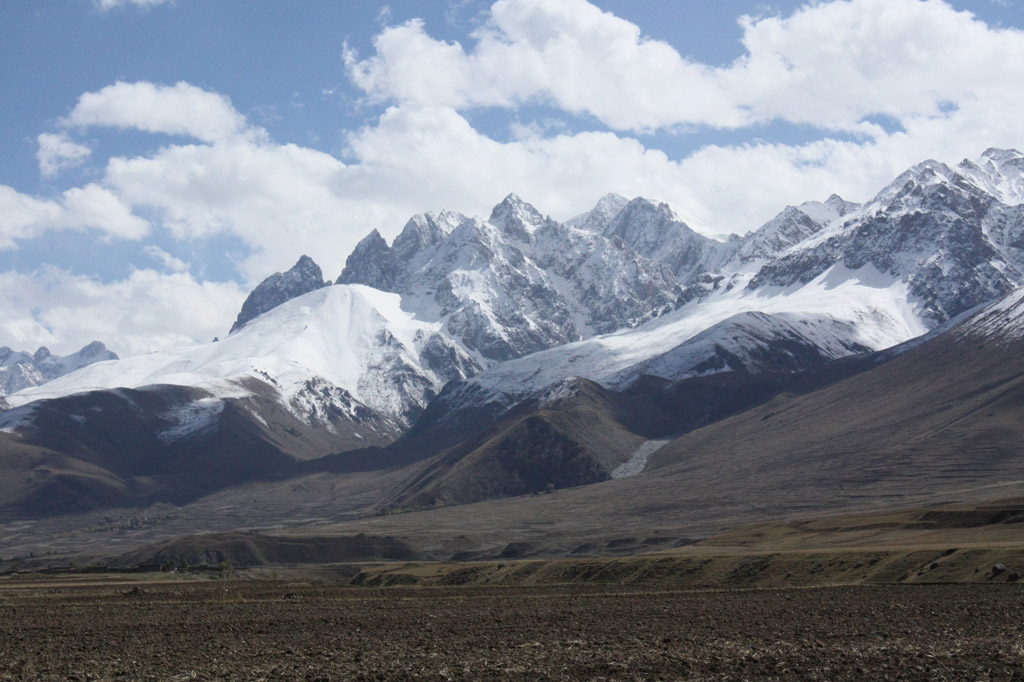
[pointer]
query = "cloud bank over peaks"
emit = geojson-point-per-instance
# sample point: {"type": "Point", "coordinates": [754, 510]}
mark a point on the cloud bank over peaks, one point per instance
{"type": "Point", "coordinates": [145, 312]}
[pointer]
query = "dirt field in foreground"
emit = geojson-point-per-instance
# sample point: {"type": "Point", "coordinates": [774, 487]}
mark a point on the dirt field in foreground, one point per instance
{"type": "Point", "coordinates": [276, 630]}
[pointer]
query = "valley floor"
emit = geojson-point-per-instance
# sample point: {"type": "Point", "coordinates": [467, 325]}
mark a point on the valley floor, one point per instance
{"type": "Point", "coordinates": [176, 628]}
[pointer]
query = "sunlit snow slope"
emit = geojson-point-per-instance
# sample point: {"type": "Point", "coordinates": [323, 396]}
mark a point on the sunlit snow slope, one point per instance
{"type": "Point", "coordinates": [350, 337]}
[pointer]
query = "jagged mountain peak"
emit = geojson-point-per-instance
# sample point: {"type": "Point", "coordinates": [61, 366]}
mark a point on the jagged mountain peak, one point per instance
{"type": "Point", "coordinates": [1002, 155]}
{"type": "Point", "coordinates": [93, 349]}
{"type": "Point", "coordinates": [301, 278]}
{"type": "Point", "coordinates": [372, 263]}
{"type": "Point", "coordinates": [657, 232]}
{"type": "Point", "coordinates": [841, 205]}
{"type": "Point", "coordinates": [598, 218]}
{"type": "Point", "coordinates": [950, 235]}
{"type": "Point", "coordinates": [999, 172]}
{"type": "Point", "coordinates": [516, 218]}
{"type": "Point", "coordinates": [791, 226]}
{"type": "Point", "coordinates": [643, 205]}
{"type": "Point", "coordinates": [424, 230]}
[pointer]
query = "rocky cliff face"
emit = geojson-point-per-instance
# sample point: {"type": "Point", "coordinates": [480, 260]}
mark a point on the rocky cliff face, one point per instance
{"type": "Point", "coordinates": [518, 282]}
{"type": "Point", "coordinates": [303, 277]}
{"type": "Point", "coordinates": [654, 231]}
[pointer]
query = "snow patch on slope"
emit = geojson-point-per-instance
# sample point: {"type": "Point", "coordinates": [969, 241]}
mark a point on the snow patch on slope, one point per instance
{"type": "Point", "coordinates": [15, 419]}
{"type": "Point", "coordinates": [190, 420]}
{"type": "Point", "coordinates": [638, 460]}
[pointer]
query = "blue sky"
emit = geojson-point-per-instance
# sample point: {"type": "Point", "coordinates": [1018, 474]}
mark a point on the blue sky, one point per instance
{"type": "Point", "coordinates": [162, 156]}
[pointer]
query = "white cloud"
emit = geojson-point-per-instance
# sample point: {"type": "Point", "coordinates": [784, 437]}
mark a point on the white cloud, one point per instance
{"type": "Point", "coordinates": [79, 208]}
{"type": "Point", "coordinates": [833, 64]}
{"type": "Point", "coordinates": [830, 64]}
{"type": "Point", "coordinates": [145, 312]}
{"type": "Point", "coordinates": [167, 260]}
{"type": "Point", "coordinates": [570, 53]}
{"type": "Point", "coordinates": [105, 5]}
{"type": "Point", "coordinates": [282, 200]}
{"type": "Point", "coordinates": [180, 109]}
{"type": "Point", "coordinates": [57, 152]}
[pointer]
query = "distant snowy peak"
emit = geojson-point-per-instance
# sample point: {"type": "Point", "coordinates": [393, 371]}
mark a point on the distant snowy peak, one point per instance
{"type": "Point", "coordinates": [792, 226]}
{"type": "Point", "coordinates": [837, 205]}
{"type": "Point", "coordinates": [598, 218]}
{"type": "Point", "coordinates": [303, 277]}
{"type": "Point", "coordinates": [425, 230]}
{"type": "Point", "coordinates": [20, 370]}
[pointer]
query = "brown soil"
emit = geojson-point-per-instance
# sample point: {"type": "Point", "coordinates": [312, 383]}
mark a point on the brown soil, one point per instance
{"type": "Point", "coordinates": [271, 630]}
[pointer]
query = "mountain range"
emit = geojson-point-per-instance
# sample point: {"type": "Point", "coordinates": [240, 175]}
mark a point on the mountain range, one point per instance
{"type": "Point", "coordinates": [472, 360]}
{"type": "Point", "coordinates": [19, 369]}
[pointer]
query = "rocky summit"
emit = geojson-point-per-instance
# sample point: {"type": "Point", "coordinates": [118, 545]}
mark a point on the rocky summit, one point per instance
{"type": "Point", "coordinates": [303, 277]}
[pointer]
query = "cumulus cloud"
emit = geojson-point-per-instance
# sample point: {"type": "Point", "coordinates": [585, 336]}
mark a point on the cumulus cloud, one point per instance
{"type": "Point", "coordinates": [282, 200]}
{"type": "Point", "coordinates": [57, 151]}
{"type": "Point", "coordinates": [180, 109]}
{"type": "Point", "coordinates": [830, 64]}
{"type": "Point", "coordinates": [145, 312]}
{"type": "Point", "coordinates": [570, 53]}
{"type": "Point", "coordinates": [79, 208]}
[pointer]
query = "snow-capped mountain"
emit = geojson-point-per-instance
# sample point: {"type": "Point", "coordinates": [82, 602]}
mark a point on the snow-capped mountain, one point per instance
{"type": "Point", "coordinates": [19, 370]}
{"type": "Point", "coordinates": [303, 277]}
{"type": "Point", "coordinates": [518, 282]}
{"type": "Point", "coordinates": [830, 276]}
{"type": "Point", "coordinates": [954, 235]}
{"type": "Point", "coordinates": [841, 312]}
{"type": "Point", "coordinates": [495, 311]}
{"type": "Point", "coordinates": [491, 297]}
{"type": "Point", "coordinates": [330, 357]}
{"type": "Point", "coordinates": [600, 217]}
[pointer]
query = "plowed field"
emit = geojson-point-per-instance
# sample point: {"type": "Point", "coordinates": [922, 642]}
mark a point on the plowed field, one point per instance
{"type": "Point", "coordinates": [276, 630]}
